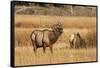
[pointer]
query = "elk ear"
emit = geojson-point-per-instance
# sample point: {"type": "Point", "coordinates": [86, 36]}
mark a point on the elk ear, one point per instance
{"type": "Point", "coordinates": [78, 34]}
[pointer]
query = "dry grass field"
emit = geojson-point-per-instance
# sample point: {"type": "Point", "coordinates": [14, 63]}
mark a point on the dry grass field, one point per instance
{"type": "Point", "coordinates": [25, 24]}
{"type": "Point", "coordinates": [26, 56]}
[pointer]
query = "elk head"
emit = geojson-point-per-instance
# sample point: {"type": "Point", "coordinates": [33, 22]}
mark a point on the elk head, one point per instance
{"type": "Point", "coordinates": [58, 27]}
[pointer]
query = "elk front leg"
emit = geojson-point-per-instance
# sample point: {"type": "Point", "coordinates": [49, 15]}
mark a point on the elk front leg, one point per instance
{"type": "Point", "coordinates": [74, 46]}
{"type": "Point", "coordinates": [51, 48]}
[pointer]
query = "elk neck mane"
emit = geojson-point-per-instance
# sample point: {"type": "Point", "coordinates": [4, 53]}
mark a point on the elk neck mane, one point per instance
{"type": "Point", "coordinates": [53, 36]}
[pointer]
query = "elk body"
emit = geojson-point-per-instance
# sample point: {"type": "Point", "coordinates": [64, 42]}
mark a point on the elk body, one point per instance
{"type": "Point", "coordinates": [46, 38]}
{"type": "Point", "coordinates": [76, 41]}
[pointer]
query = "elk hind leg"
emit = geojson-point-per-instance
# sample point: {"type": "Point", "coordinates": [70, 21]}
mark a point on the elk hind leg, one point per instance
{"type": "Point", "coordinates": [71, 45]}
{"type": "Point", "coordinates": [44, 48]}
{"type": "Point", "coordinates": [34, 47]}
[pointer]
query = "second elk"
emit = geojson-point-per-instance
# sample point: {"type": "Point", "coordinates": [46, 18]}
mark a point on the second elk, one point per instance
{"type": "Point", "coordinates": [76, 41]}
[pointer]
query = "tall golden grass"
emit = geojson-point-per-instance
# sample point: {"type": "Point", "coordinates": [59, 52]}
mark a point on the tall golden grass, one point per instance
{"type": "Point", "coordinates": [22, 36]}
{"type": "Point", "coordinates": [26, 56]}
{"type": "Point", "coordinates": [29, 21]}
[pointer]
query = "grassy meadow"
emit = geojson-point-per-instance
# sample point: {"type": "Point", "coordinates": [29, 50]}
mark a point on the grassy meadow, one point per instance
{"type": "Point", "coordinates": [25, 24]}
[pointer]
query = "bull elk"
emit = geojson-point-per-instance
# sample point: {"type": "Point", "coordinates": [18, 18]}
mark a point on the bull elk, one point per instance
{"type": "Point", "coordinates": [46, 38]}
